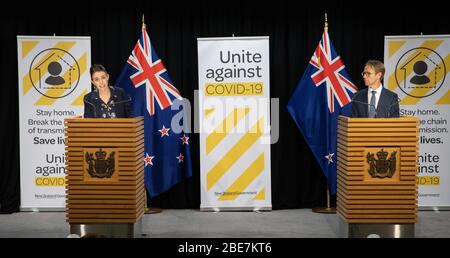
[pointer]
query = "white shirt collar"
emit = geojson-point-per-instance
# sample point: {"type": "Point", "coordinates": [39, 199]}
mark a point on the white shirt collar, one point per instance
{"type": "Point", "coordinates": [378, 90]}
{"type": "Point", "coordinates": [377, 95]}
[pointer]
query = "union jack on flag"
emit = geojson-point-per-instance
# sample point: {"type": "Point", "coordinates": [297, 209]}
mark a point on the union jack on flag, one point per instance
{"type": "Point", "coordinates": [329, 66]}
{"type": "Point", "coordinates": [151, 73]}
{"type": "Point", "coordinates": [167, 159]}
{"type": "Point", "coordinates": [321, 96]}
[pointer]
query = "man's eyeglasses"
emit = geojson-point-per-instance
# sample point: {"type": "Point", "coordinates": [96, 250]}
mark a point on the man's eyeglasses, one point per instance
{"type": "Point", "coordinates": [366, 73]}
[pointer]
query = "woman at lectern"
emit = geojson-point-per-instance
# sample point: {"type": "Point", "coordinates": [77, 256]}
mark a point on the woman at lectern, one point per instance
{"type": "Point", "coordinates": [105, 101]}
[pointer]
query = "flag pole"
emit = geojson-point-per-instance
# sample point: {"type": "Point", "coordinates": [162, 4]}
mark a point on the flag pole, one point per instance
{"type": "Point", "coordinates": [148, 210]}
{"type": "Point", "coordinates": [143, 21]}
{"type": "Point", "coordinates": [328, 209]}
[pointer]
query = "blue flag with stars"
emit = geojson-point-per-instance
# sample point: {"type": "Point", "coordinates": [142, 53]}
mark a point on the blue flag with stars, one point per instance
{"type": "Point", "coordinates": [321, 96]}
{"type": "Point", "coordinates": [167, 156]}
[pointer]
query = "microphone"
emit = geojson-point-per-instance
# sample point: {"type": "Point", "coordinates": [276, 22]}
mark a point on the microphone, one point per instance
{"type": "Point", "coordinates": [396, 102]}
{"type": "Point", "coordinates": [384, 107]}
{"type": "Point", "coordinates": [364, 103]}
{"type": "Point", "coordinates": [128, 111]}
{"type": "Point", "coordinates": [124, 101]}
{"type": "Point", "coordinates": [93, 108]}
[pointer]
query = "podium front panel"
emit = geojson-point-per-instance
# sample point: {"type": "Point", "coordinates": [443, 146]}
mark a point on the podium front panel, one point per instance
{"type": "Point", "coordinates": [104, 170]}
{"type": "Point", "coordinates": [377, 170]}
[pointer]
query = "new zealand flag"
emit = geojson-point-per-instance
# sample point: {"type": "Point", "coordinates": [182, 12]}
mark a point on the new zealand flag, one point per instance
{"type": "Point", "coordinates": [320, 97]}
{"type": "Point", "coordinates": [167, 155]}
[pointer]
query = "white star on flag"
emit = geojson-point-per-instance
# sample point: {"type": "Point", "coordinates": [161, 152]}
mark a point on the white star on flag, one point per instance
{"type": "Point", "coordinates": [164, 131]}
{"type": "Point", "coordinates": [180, 158]}
{"type": "Point", "coordinates": [148, 159]}
{"type": "Point", "coordinates": [329, 157]}
{"type": "Point", "coordinates": [185, 139]}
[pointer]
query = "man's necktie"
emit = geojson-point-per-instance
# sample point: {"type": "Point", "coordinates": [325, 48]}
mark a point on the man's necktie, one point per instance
{"type": "Point", "coordinates": [372, 105]}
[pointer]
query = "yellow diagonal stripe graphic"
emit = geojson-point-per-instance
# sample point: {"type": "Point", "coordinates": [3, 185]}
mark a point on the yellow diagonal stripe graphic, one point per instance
{"type": "Point", "coordinates": [394, 46]}
{"type": "Point", "coordinates": [208, 112]}
{"type": "Point", "coordinates": [261, 196]}
{"type": "Point", "coordinates": [58, 92]}
{"type": "Point", "coordinates": [408, 100]}
{"type": "Point", "coordinates": [27, 46]}
{"type": "Point", "coordinates": [66, 45]}
{"type": "Point", "coordinates": [234, 153]}
{"type": "Point", "coordinates": [79, 100]}
{"type": "Point", "coordinates": [445, 99]}
{"type": "Point", "coordinates": [431, 44]}
{"type": "Point", "coordinates": [227, 125]}
{"type": "Point", "coordinates": [244, 179]}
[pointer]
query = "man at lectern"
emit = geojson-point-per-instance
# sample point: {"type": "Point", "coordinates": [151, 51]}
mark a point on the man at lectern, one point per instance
{"type": "Point", "coordinates": [105, 101]}
{"type": "Point", "coordinates": [375, 101]}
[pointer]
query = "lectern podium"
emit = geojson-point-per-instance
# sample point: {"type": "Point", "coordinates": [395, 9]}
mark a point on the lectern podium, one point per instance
{"type": "Point", "coordinates": [104, 176]}
{"type": "Point", "coordinates": [376, 180]}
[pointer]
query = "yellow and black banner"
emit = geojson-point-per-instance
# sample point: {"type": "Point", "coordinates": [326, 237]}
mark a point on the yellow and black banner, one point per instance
{"type": "Point", "coordinates": [234, 117]}
{"type": "Point", "coordinates": [417, 70]}
{"type": "Point", "coordinates": [53, 79]}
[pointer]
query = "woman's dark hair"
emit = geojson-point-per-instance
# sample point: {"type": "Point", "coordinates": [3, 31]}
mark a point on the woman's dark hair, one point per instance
{"type": "Point", "coordinates": [97, 68]}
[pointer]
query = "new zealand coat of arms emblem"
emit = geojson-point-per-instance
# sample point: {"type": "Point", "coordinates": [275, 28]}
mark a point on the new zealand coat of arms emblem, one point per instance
{"type": "Point", "coordinates": [100, 166]}
{"type": "Point", "coordinates": [381, 166]}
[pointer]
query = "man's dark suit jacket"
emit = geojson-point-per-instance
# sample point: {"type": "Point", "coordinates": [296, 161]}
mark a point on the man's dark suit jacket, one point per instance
{"type": "Point", "coordinates": [388, 104]}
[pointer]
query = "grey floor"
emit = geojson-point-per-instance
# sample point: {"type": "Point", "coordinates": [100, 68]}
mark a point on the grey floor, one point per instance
{"type": "Point", "coordinates": [299, 223]}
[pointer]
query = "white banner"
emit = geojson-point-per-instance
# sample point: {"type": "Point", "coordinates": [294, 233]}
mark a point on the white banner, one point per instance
{"type": "Point", "coordinates": [417, 70]}
{"type": "Point", "coordinates": [53, 78]}
{"type": "Point", "coordinates": [234, 91]}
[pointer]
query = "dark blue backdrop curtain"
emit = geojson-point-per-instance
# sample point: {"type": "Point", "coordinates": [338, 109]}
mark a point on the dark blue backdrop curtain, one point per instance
{"type": "Point", "coordinates": [357, 31]}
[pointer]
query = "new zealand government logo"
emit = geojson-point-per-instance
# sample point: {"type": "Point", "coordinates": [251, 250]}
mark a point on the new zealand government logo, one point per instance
{"type": "Point", "coordinates": [381, 166]}
{"type": "Point", "coordinates": [100, 166]}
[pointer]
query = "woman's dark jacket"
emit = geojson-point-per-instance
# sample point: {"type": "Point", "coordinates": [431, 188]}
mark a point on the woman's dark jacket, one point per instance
{"type": "Point", "coordinates": [118, 105]}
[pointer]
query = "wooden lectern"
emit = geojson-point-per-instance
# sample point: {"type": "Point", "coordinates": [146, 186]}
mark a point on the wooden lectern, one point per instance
{"type": "Point", "coordinates": [104, 175]}
{"type": "Point", "coordinates": [377, 173]}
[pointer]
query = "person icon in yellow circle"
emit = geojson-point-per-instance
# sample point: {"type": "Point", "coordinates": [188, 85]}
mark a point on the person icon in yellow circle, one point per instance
{"type": "Point", "coordinates": [54, 69]}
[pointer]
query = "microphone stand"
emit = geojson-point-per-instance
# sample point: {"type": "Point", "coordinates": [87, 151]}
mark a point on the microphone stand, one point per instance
{"type": "Point", "coordinates": [93, 108]}
{"type": "Point", "coordinates": [397, 102]}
